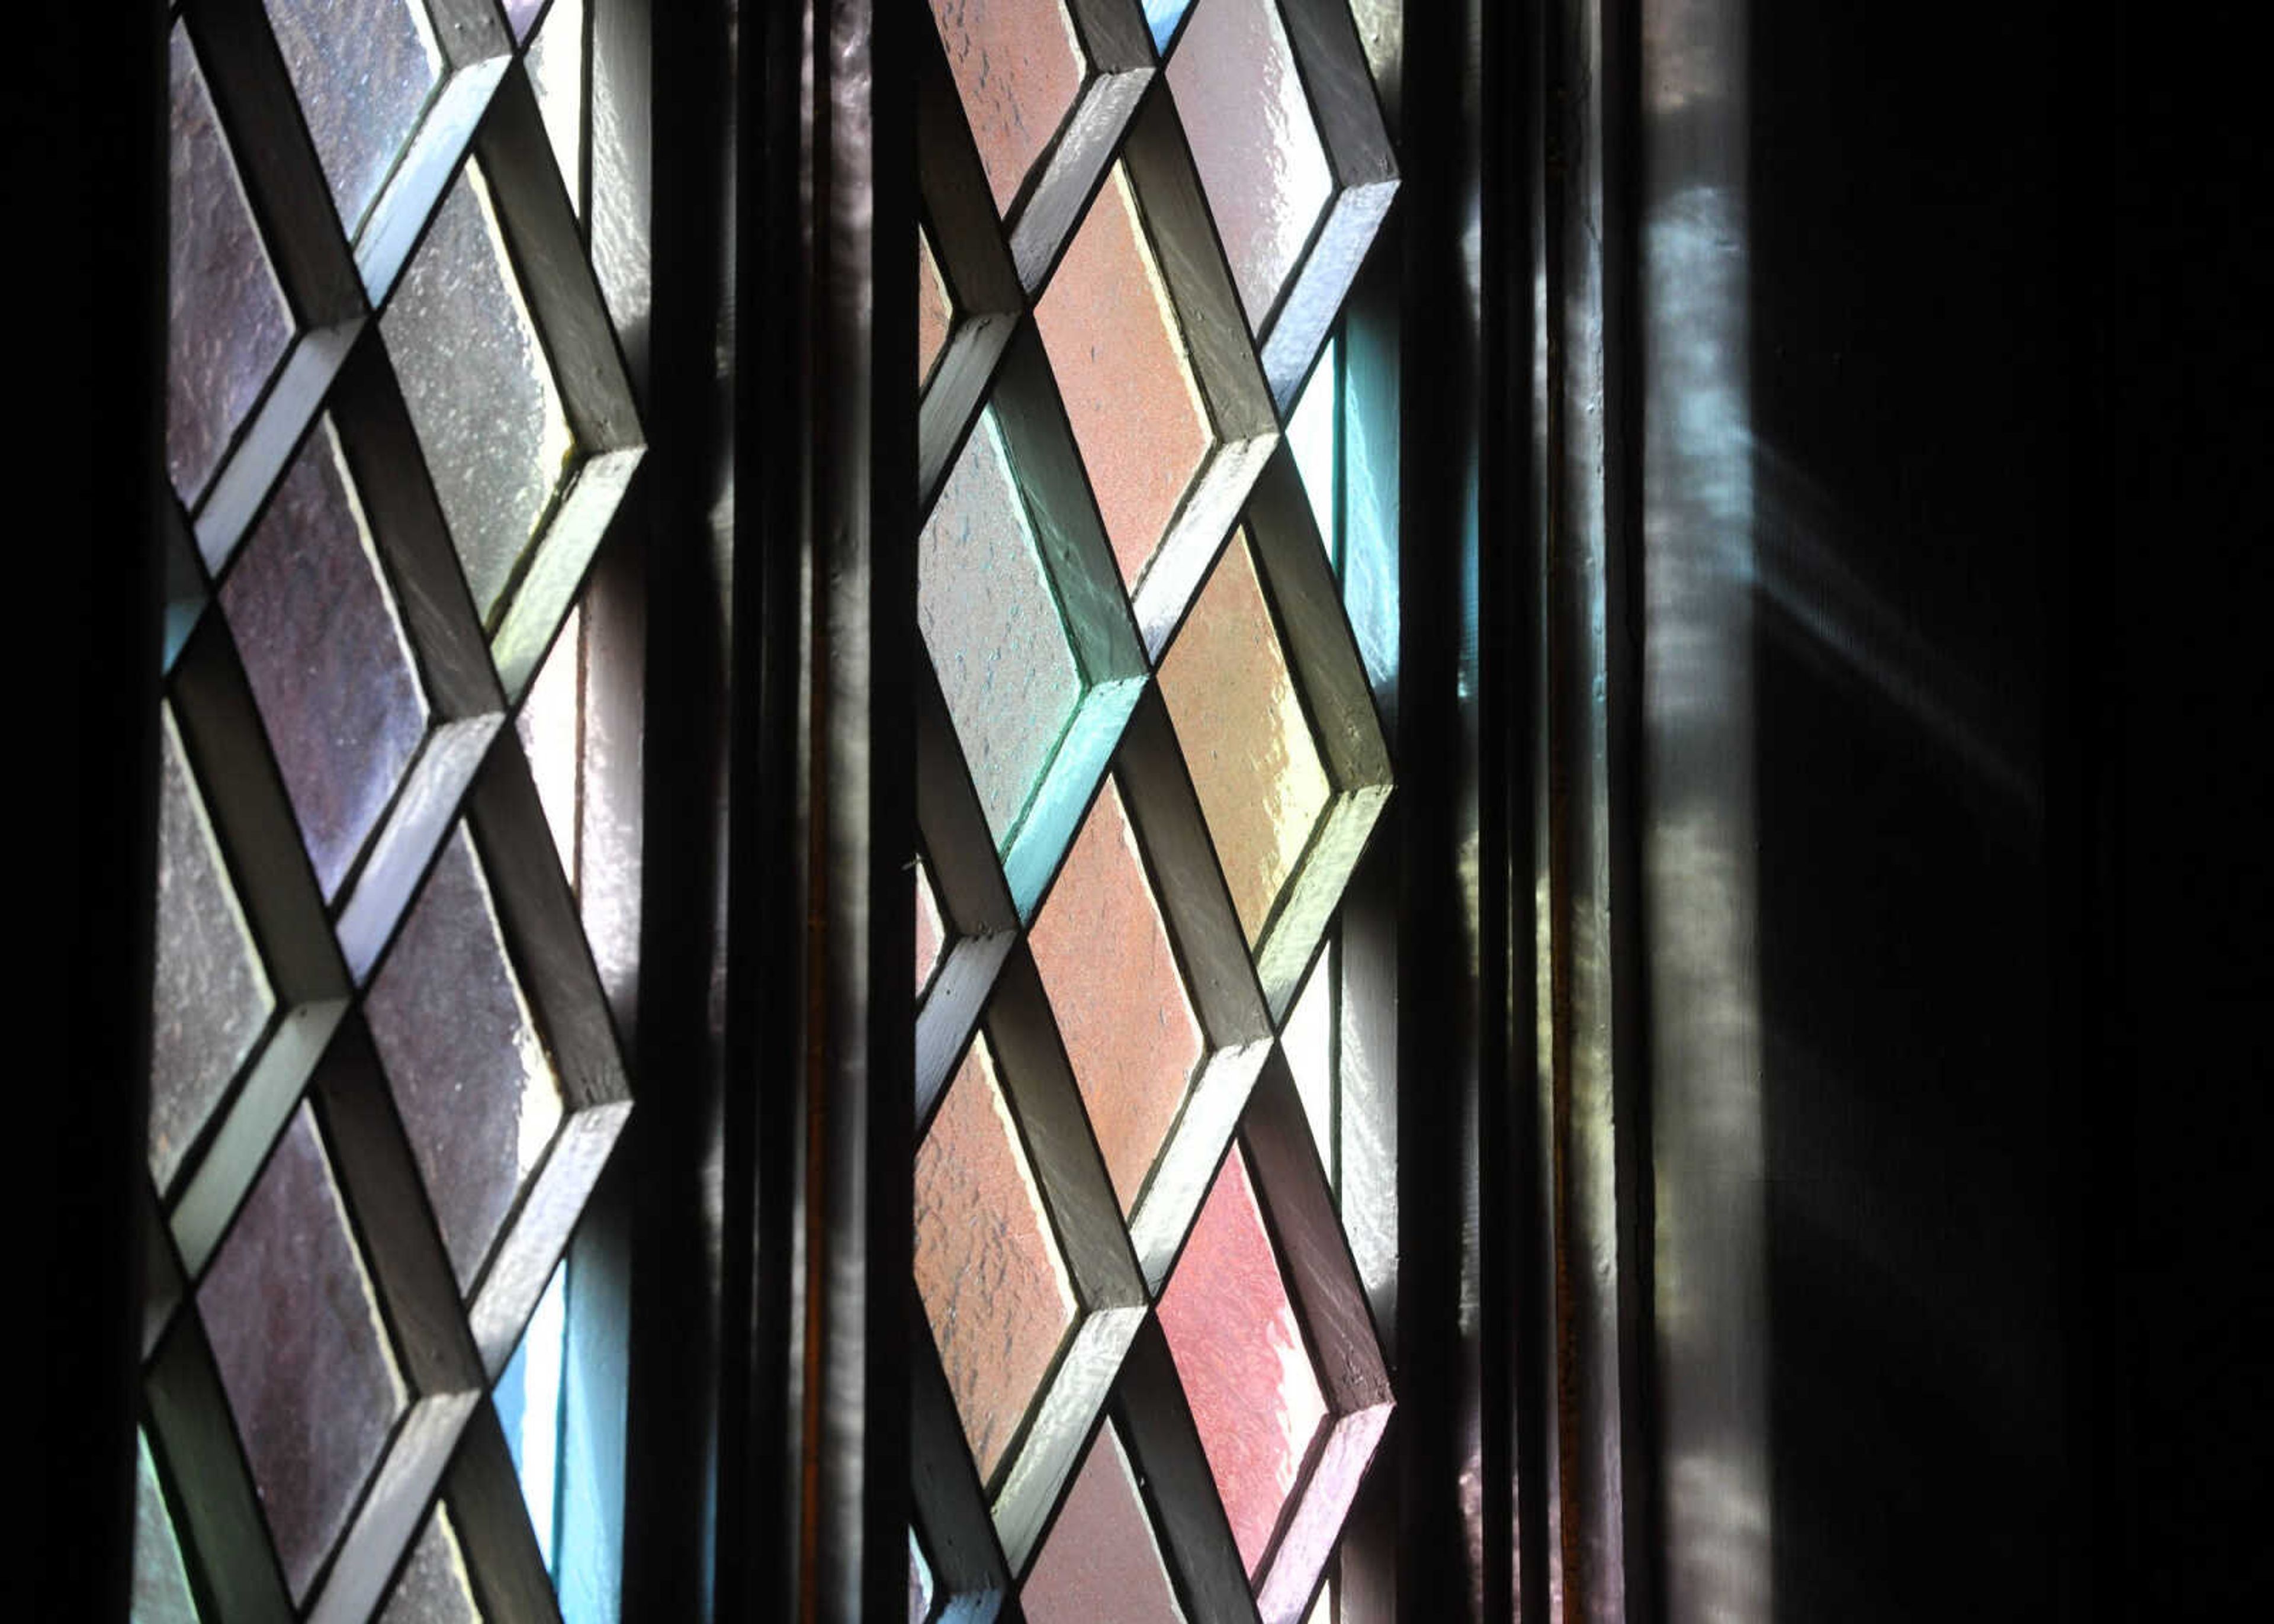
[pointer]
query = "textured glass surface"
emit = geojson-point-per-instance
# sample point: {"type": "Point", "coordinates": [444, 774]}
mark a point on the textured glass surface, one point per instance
{"type": "Point", "coordinates": [1258, 153]}
{"type": "Point", "coordinates": [1102, 1561]}
{"type": "Point", "coordinates": [481, 395]}
{"type": "Point", "coordinates": [1113, 983]}
{"type": "Point", "coordinates": [210, 997]}
{"type": "Point", "coordinates": [528, 1400]}
{"type": "Point", "coordinates": [325, 657]}
{"type": "Point", "coordinates": [162, 1584]}
{"type": "Point", "coordinates": [434, 1587]}
{"type": "Point", "coordinates": [363, 70]}
{"type": "Point", "coordinates": [521, 13]}
{"type": "Point", "coordinates": [556, 72]}
{"type": "Point", "coordinates": [476, 1091]}
{"type": "Point", "coordinates": [934, 308]}
{"type": "Point", "coordinates": [1245, 737]}
{"type": "Point", "coordinates": [1240, 1353]}
{"type": "Point", "coordinates": [987, 1267]}
{"type": "Point", "coordinates": [991, 622]}
{"type": "Point", "coordinates": [1322, 1611]}
{"type": "Point", "coordinates": [1118, 354]}
{"type": "Point", "coordinates": [227, 321]}
{"type": "Point", "coordinates": [302, 1357]}
{"type": "Point", "coordinates": [1019, 67]}
{"type": "Point", "coordinates": [919, 1582]}
{"type": "Point", "coordinates": [1314, 440]}
{"type": "Point", "coordinates": [1163, 16]}
{"type": "Point", "coordinates": [550, 727]}
{"type": "Point", "coordinates": [1308, 1042]}
{"type": "Point", "coordinates": [931, 927]}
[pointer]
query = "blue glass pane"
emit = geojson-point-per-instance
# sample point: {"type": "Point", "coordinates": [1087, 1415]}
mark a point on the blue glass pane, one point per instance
{"type": "Point", "coordinates": [1165, 15]}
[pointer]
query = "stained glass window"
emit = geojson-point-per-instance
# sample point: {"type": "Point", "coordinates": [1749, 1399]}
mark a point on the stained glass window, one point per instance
{"type": "Point", "coordinates": [384, 1078]}
{"type": "Point", "coordinates": [1151, 768]}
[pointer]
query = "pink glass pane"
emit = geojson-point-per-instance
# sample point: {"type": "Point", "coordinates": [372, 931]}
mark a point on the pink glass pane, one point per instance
{"type": "Point", "coordinates": [931, 927]}
{"type": "Point", "coordinates": [1259, 154]}
{"type": "Point", "coordinates": [1118, 354]}
{"type": "Point", "coordinates": [935, 309]}
{"type": "Point", "coordinates": [987, 1268]}
{"type": "Point", "coordinates": [1103, 1562]}
{"type": "Point", "coordinates": [227, 323]}
{"type": "Point", "coordinates": [1121, 1003]}
{"type": "Point", "coordinates": [477, 1093]}
{"type": "Point", "coordinates": [325, 657]}
{"type": "Point", "coordinates": [1257, 772]}
{"type": "Point", "coordinates": [302, 1357]}
{"type": "Point", "coordinates": [1239, 1353]}
{"type": "Point", "coordinates": [1019, 67]}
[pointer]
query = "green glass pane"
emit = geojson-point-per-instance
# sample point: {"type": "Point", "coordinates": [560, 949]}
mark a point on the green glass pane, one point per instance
{"type": "Point", "coordinates": [161, 1582]}
{"type": "Point", "coordinates": [1245, 737]}
{"type": "Point", "coordinates": [991, 622]}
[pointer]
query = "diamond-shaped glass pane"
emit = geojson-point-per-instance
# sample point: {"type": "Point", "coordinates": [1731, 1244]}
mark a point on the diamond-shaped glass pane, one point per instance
{"type": "Point", "coordinates": [931, 927]}
{"type": "Point", "coordinates": [1257, 151]}
{"type": "Point", "coordinates": [991, 620]}
{"type": "Point", "coordinates": [1118, 350]}
{"type": "Point", "coordinates": [919, 1582]}
{"type": "Point", "coordinates": [1018, 66]}
{"type": "Point", "coordinates": [1128, 1024]}
{"type": "Point", "coordinates": [994, 1285]}
{"type": "Point", "coordinates": [1239, 1350]}
{"type": "Point", "coordinates": [1314, 439]}
{"type": "Point", "coordinates": [1255, 763]}
{"type": "Point", "coordinates": [477, 1093]}
{"type": "Point", "coordinates": [435, 1586]}
{"type": "Point", "coordinates": [481, 394]}
{"type": "Point", "coordinates": [551, 727]}
{"type": "Point", "coordinates": [301, 1352]}
{"type": "Point", "coordinates": [325, 655]}
{"type": "Point", "coordinates": [1162, 16]}
{"type": "Point", "coordinates": [1102, 1560]}
{"type": "Point", "coordinates": [363, 70]}
{"type": "Point", "coordinates": [1309, 1043]}
{"type": "Point", "coordinates": [161, 1583]}
{"type": "Point", "coordinates": [555, 60]}
{"type": "Point", "coordinates": [934, 308]}
{"type": "Point", "coordinates": [210, 998]}
{"type": "Point", "coordinates": [528, 1400]}
{"type": "Point", "coordinates": [227, 323]}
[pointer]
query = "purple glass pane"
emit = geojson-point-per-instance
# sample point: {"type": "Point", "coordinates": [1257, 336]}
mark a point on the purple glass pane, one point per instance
{"type": "Point", "coordinates": [991, 622]}
{"type": "Point", "coordinates": [434, 1587]}
{"type": "Point", "coordinates": [302, 1356]}
{"type": "Point", "coordinates": [919, 1582]}
{"type": "Point", "coordinates": [986, 1265]}
{"type": "Point", "coordinates": [521, 13]}
{"type": "Point", "coordinates": [478, 1097]}
{"type": "Point", "coordinates": [325, 657]}
{"type": "Point", "coordinates": [1019, 67]}
{"type": "Point", "coordinates": [480, 392]}
{"type": "Point", "coordinates": [1103, 1562]}
{"type": "Point", "coordinates": [1258, 151]}
{"type": "Point", "coordinates": [227, 321]}
{"type": "Point", "coordinates": [1118, 351]}
{"type": "Point", "coordinates": [1121, 1006]}
{"type": "Point", "coordinates": [210, 998]}
{"type": "Point", "coordinates": [1239, 1353]}
{"type": "Point", "coordinates": [363, 70]}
